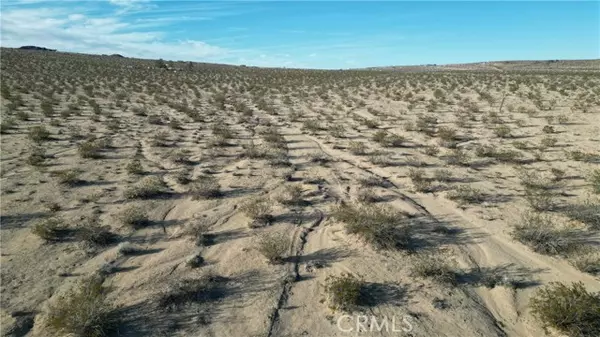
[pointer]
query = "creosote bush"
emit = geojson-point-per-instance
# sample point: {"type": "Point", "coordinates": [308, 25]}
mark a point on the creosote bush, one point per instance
{"type": "Point", "coordinates": [381, 226]}
{"type": "Point", "coordinates": [205, 289]}
{"type": "Point", "coordinates": [147, 187]}
{"type": "Point", "coordinates": [68, 177]}
{"type": "Point", "coordinates": [259, 210]}
{"type": "Point", "coordinates": [39, 134]}
{"type": "Point", "coordinates": [134, 217]}
{"type": "Point", "coordinates": [134, 167]}
{"type": "Point", "coordinates": [539, 232]}
{"type": "Point", "coordinates": [83, 311]}
{"type": "Point", "coordinates": [434, 267]}
{"type": "Point", "coordinates": [273, 246]}
{"type": "Point", "coordinates": [343, 292]}
{"type": "Point", "coordinates": [570, 309]}
{"type": "Point", "coordinates": [465, 194]}
{"type": "Point", "coordinates": [205, 187]}
{"type": "Point", "coordinates": [50, 229]}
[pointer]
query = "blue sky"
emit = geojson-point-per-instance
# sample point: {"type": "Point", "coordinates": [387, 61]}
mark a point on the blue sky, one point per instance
{"type": "Point", "coordinates": [309, 34]}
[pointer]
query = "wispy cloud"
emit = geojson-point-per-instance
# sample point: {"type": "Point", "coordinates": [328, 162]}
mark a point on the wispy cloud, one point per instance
{"type": "Point", "coordinates": [62, 28]}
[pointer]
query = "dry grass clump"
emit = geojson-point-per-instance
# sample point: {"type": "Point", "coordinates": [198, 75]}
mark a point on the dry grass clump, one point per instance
{"type": "Point", "coordinates": [587, 212]}
{"type": "Point", "coordinates": [569, 309]}
{"type": "Point", "coordinates": [465, 194]}
{"type": "Point", "coordinates": [82, 312]}
{"type": "Point", "coordinates": [343, 291]}
{"type": "Point", "coordinates": [367, 195]}
{"type": "Point", "coordinates": [388, 139]}
{"type": "Point", "coordinates": [420, 182]}
{"type": "Point", "coordinates": [538, 231]}
{"type": "Point", "coordinates": [586, 259]}
{"type": "Point", "coordinates": [134, 217]}
{"type": "Point", "coordinates": [434, 267]}
{"type": "Point", "coordinates": [91, 149]}
{"type": "Point", "coordinates": [146, 188]}
{"type": "Point", "coordinates": [442, 175]}
{"type": "Point", "coordinates": [381, 226]}
{"type": "Point", "coordinates": [291, 196]}
{"type": "Point", "coordinates": [357, 148]}
{"type": "Point", "coordinates": [205, 187]}
{"type": "Point", "coordinates": [259, 210]}
{"type": "Point", "coordinates": [68, 177]}
{"type": "Point", "coordinates": [273, 246]}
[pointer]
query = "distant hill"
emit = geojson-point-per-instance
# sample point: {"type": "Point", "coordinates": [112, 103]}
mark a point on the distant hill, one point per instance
{"type": "Point", "coordinates": [36, 48]}
{"type": "Point", "coordinates": [547, 65]}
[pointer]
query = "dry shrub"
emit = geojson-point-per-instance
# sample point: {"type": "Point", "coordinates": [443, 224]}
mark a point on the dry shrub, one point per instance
{"type": "Point", "coordinates": [381, 226]}
{"type": "Point", "coordinates": [38, 134]}
{"type": "Point", "coordinates": [146, 188]}
{"type": "Point", "coordinates": [50, 229]}
{"type": "Point", "coordinates": [273, 246]}
{"type": "Point", "coordinates": [570, 309]}
{"type": "Point", "coordinates": [205, 187]}
{"type": "Point", "coordinates": [538, 231]}
{"type": "Point", "coordinates": [82, 312]}
{"type": "Point", "coordinates": [434, 267]}
{"type": "Point", "coordinates": [343, 291]}
{"type": "Point", "coordinates": [134, 217]}
{"type": "Point", "coordinates": [205, 289]}
{"type": "Point", "coordinates": [68, 177]}
{"type": "Point", "coordinates": [259, 210]}
{"type": "Point", "coordinates": [465, 194]}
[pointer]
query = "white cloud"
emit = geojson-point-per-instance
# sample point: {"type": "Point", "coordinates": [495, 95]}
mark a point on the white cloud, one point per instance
{"type": "Point", "coordinates": [65, 30]}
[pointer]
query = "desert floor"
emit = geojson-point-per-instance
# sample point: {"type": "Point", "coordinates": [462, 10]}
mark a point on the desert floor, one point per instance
{"type": "Point", "coordinates": [226, 201]}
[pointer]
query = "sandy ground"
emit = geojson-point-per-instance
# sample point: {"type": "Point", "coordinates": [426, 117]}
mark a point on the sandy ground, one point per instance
{"type": "Point", "coordinates": [286, 299]}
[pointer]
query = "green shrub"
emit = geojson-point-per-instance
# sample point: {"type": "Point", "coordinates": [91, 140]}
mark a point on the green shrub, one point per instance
{"type": "Point", "coordinates": [570, 309]}
{"type": "Point", "coordinates": [83, 312]}
{"type": "Point", "coordinates": [343, 291]}
{"type": "Point", "coordinates": [273, 246]}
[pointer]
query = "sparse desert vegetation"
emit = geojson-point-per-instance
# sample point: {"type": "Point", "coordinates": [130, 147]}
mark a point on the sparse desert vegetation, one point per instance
{"type": "Point", "coordinates": [191, 199]}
